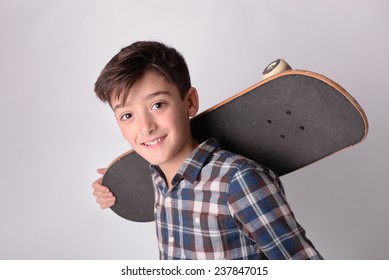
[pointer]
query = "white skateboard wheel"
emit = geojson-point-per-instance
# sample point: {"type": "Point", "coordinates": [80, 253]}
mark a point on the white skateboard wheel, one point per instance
{"type": "Point", "coordinates": [276, 67]}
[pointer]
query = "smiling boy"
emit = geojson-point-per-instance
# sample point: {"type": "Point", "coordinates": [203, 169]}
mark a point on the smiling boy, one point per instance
{"type": "Point", "coordinates": [154, 119]}
{"type": "Point", "coordinates": [209, 203]}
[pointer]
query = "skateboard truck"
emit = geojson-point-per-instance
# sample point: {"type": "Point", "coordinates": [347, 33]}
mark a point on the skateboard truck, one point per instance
{"type": "Point", "coordinates": [276, 67]}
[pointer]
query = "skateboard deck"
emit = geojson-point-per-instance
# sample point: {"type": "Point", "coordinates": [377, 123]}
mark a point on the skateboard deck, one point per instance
{"type": "Point", "coordinates": [284, 122]}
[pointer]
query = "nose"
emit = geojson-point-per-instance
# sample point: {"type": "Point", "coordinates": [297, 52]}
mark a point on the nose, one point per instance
{"type": "Point", "coordinates": [146, 125]}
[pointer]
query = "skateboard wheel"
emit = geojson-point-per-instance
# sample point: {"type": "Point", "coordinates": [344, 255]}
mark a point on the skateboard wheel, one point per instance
{"type": "Point", "coordinates": [276, 67]}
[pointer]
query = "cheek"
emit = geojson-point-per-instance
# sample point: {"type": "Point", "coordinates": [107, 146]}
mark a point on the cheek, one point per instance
{"type": "Point", "coordinates": [181, 124]}
{"type": "Point", "coordinates": [126, 132]}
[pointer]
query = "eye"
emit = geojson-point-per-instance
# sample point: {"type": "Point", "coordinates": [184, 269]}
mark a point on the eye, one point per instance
{"type": "Point", "coordinates": [126, 116]}
{"type": "Point", "coordinates": [158, 105]}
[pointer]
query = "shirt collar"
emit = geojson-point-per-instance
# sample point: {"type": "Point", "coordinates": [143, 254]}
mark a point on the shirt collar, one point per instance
{"type": "Point", "coordinates": [192, 166]}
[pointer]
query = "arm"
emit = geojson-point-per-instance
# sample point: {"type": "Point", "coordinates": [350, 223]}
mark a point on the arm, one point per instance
{"type": "Point", "coordinates": [103, 195]}
{"type": "Point", "coordinates": [261, 209]}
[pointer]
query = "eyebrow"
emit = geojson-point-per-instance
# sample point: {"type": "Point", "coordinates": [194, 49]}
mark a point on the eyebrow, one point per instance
{"type": "Point", "coordinates": [148, 97]}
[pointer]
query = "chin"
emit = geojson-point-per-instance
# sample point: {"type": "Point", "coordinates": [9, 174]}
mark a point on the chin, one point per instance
{"type": "Point", "coordinates": [154, 161]}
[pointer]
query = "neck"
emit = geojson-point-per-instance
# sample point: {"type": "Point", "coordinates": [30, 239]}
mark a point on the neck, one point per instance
{"type": "Point", "coordinates": [171, 168]}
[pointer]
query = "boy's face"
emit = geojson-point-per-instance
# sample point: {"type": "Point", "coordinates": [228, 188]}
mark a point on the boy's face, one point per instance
{"type": "Point", "coordinates": [155, 120]}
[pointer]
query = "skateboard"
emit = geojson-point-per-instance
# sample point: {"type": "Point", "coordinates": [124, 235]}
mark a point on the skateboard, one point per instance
{"type": "Point", "coordinates": [290, 119]}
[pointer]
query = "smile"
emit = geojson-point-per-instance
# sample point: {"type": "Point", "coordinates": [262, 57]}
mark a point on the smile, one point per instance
{"type": "Point", "coordinates": [154, 142]}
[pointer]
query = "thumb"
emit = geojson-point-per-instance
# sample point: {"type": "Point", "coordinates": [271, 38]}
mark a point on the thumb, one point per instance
{"type": "Point", "coordinates": [101, 171]}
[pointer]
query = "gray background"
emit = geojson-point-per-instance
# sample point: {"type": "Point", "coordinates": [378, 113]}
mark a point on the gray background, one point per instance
{"type": "Point", "coordinates": [55, 132]}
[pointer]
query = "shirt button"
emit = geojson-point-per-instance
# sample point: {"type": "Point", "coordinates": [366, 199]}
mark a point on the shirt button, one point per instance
{"type": "Point", "coordinates": [171, 239]}
{"type": "Point", "coordinates": [197, 220]}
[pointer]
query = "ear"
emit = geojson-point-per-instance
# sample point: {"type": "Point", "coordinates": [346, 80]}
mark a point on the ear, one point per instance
{"type": "Point", "coordinates": [192, 100]}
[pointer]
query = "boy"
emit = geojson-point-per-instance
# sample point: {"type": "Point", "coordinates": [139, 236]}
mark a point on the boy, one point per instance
{"type": "Point", "coordinates": [209, 203]}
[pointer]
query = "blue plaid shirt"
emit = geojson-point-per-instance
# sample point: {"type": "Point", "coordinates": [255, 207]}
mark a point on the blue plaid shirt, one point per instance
{"type": "Point", "coordinates": [224, 206]}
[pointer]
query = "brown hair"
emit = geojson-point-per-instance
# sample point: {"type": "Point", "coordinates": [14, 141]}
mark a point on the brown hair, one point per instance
{"type": "Point", "coordinates": [132, 62]}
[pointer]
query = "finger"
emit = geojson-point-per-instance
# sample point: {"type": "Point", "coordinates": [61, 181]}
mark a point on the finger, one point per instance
{"type": "Point", "coordinates": [98, 186]}
{"type": "Point", "coordinates": [104, 200]}
{"type": "Point", "coordinates": [105, 203]}
{"type": "Point", "coordinates": [108, 205]}
{"type": "Point", "coordinates": [102, 194]}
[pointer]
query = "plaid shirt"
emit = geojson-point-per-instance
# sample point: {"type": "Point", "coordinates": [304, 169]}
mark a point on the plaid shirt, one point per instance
{"type": "Point", "coordinates": [224, 206]}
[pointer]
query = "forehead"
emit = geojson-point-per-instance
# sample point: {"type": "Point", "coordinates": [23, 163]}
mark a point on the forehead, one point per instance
{"type": "Point", "coordinates": [150, 85]}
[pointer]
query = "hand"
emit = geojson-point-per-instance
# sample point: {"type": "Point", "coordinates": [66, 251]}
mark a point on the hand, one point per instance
{"type": "Point", "coordinates": [103, 195]}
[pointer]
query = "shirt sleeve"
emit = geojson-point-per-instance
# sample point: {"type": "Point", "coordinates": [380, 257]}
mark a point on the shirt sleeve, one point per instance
{"type": "Point", "coordinates": [260, 209]}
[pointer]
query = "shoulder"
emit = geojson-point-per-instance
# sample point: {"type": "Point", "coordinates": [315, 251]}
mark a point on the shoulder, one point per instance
{"type": "Point", "coordinates": [241, 166]}
{"type": "Point", "coordinates": [246, 176]}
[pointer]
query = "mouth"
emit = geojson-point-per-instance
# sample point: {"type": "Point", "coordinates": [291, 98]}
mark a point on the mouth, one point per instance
{"type": "Point", "coordinates": [154, 142]}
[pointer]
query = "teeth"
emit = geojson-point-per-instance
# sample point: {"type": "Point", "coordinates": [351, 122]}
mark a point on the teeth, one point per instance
{"type": "Point", "coordinates": [152, 143]}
